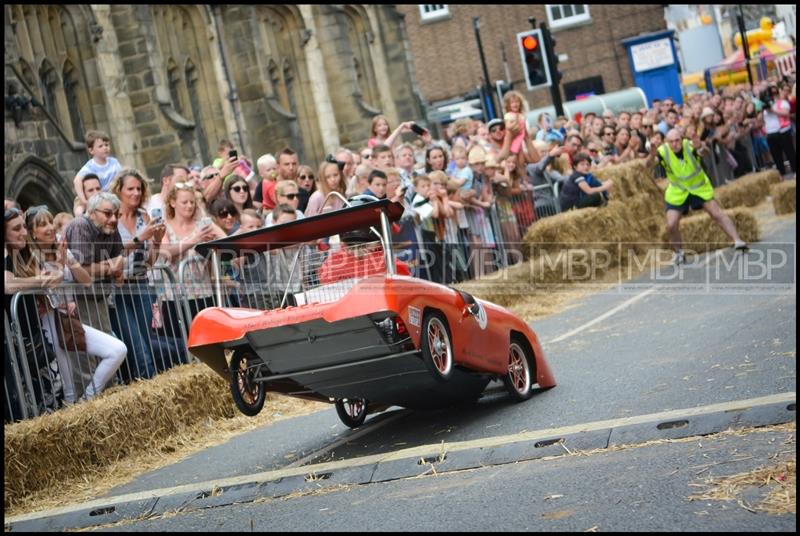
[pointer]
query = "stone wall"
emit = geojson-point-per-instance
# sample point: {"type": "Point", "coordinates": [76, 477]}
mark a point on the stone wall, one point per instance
{"type": "Point", "coordinates": [254, 85]}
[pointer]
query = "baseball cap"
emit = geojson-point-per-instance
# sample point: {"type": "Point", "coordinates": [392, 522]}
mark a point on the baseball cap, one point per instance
{"type": "Point", "coordinates": [494, 122]}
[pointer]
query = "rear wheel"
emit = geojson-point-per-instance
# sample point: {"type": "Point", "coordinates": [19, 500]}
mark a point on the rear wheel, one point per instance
{"type": "Point", "coordinates": [521, 371]}
{"type": "Point", "coordinates": [352, 411]}
{"type": "Point", "coordinates": [248, 394]}
{"type": "Point", "coordinates": [437, 350]}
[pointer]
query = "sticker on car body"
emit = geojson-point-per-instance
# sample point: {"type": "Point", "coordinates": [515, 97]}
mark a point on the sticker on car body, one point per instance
{"type": "Point", "coordinates": [414, 317]}
{"type": "Point", "coordinates": [481, 317]}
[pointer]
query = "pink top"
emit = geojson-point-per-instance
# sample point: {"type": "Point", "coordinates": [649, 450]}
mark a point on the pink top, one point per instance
{"type": "Point", "coordinates": [316, 201]}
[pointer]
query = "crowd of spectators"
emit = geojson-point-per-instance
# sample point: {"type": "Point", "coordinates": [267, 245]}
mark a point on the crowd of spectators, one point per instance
{"type": "Point", "coordinates": [479, 188]}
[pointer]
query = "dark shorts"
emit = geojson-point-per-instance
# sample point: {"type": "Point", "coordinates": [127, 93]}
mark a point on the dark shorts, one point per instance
{"type": "Point", "coordinates": [692, 202]}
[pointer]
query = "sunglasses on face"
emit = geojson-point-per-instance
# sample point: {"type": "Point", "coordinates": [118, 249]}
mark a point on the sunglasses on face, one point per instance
{"type": "Point", "coordinates": [209, 177]}
{"type": "Point", "coordinates": [109, 213]}
{"type": "Point", "coordinates": [306, 177]}
{"type": "Point", "coordinates": [496, 128]}
{"type": "Point", "coordinates": [366, 156]}
{"type": "Point", "coordinates": [225, 214]}
{"type": "Point", "coordinates": [238, 188]}
{"type": "Point", "coordinates": [291, 196]}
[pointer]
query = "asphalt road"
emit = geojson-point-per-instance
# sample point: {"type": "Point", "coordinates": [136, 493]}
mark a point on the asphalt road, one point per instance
{"type": "Point", "coordinates": [719, 330]}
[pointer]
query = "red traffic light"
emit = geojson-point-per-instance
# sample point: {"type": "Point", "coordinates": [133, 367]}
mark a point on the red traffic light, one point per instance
{"type": "Point", "coordinates": [530, 43]}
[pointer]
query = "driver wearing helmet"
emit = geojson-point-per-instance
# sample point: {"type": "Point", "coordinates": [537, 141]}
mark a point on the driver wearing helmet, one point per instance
{"type": "Point", "coordinates": [362, 255]}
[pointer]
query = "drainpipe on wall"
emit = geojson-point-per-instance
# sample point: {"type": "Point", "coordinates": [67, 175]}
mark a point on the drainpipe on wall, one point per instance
{"type": "Point", "coordinates": [232, 94]}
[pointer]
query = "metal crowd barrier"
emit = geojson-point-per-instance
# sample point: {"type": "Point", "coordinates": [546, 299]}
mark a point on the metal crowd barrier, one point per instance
{"type": "Point", "coordinates": [40, 365]}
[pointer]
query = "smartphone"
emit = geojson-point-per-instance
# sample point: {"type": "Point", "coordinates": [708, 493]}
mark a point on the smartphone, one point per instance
{"type": "Point", "coordinates": [233, 154]}
{"type": "Point", "coordinates": [417, 129]}
{"type": "Point", "coordinates": [155, 215]}
{"type": "Point", "coordinates": [205, 222]}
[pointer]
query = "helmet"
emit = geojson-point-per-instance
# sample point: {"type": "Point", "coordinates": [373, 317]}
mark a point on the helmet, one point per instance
{"type": "Point", "coordinates": [361, 199]}
{"type": "Point", "coordinates": [359, 236]}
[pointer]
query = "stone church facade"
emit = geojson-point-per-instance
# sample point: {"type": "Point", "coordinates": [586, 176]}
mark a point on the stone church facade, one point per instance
{"type": "Point", "coordinates": [167, 82]}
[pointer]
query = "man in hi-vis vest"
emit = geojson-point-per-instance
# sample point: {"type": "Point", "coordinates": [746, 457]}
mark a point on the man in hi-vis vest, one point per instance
{"type": "Point", "coordinates": [689, 188]}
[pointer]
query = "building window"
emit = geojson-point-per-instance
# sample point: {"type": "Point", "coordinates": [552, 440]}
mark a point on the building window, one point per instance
{"type": "Point", "coordinates": [433, 11]}
{"type": "Point", "coordinates": [563, 15]}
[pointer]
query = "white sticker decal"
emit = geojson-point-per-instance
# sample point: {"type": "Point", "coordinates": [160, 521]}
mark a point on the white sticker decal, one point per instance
{"type": "Point", "coordinates": [414, 316]}
{"type": "Point", "coordinates": [481, 316]}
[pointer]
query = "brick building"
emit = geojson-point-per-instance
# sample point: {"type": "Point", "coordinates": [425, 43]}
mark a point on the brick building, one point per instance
{"type": "Point", "coordinates": [167, 82]}
{"type": "Point", "coordinates": [447, 62]}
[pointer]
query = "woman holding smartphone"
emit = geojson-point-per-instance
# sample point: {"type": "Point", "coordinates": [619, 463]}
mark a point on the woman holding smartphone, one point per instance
{"type": "Point", "coordinates": [141, 235]}
{"type": "Point", "coordinates": [185, 229]}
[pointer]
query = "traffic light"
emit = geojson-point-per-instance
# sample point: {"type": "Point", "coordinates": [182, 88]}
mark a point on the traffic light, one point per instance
{"type": "Point", "coordinates": [534, 58]}
{"type": "Point", "coordinates": [553, 58]}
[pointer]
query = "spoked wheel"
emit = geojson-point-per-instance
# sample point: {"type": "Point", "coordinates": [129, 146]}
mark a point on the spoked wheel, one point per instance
{"type": "Point", "coordinates": [352, 411]}
{"type": "Point", "coordinates": [248, 394]}
{"type": "Point", "coordinates": [521, 371]}
{"type": "Point", "coordinates": [437, 350]}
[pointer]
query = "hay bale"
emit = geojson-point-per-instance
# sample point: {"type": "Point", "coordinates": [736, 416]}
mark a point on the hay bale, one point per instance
{"type": "Point", "coordinates": [746, 191]}
{"type": "Point", "coordinates": [773, 176]}
{"type": "Point", "coordinates": [784, 197]}
{"type": "Point", "coordinates": [44, 451]}
{"type": "Point", "coordinates": [701, 234]}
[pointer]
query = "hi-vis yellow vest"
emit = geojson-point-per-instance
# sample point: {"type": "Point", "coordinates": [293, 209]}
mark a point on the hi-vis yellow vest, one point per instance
{"type": "Point", "coordinates": [685, 176]}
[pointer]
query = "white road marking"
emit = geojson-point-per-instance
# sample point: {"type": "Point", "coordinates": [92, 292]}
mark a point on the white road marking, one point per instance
{"type": "Point", "coordinates": [618, 308]}
{"type": "Point", "coordinates": [709, 257]}
{"type": "Point", "coordinates": [422, 451]}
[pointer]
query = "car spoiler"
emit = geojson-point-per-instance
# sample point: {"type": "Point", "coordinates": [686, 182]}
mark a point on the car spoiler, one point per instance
{"type": "Point", "coordinates": [306, 229]}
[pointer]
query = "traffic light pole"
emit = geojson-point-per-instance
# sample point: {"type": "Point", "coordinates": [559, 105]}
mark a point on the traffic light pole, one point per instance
{"type": "Point", "coordinates": [487, 85]}
{"type": "Point", "coordinates": [555, 86]}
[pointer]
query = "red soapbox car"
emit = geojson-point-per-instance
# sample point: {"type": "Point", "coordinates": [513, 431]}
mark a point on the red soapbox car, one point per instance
{"type": "Point", "coordinates": [342, 326]}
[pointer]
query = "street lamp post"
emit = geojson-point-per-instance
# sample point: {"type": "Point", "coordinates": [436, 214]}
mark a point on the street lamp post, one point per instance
{"type": "Point", "coordinates": [487, 88]}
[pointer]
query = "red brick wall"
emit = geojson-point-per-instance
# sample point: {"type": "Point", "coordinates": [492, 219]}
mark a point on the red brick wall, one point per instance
{"type": "Point", "coordinates": [447, 61]}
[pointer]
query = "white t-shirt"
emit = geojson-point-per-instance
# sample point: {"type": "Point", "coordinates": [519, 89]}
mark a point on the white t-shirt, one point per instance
{"type": "Point", "coordinates": [106, 172]}
{"type": "Point", "coordinates": [772, 121]}
{"type": "Point", "coordinates": [156, 202]}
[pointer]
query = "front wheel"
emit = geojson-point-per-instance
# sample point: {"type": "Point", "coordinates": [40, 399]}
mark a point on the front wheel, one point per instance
{"type": "Point", "coordinates": [521, 371]}
{"type": "Point", "coordinates": [248, 394]}
{"type": "Point", "coordinates": [352, 411]}
{"type": "Point", "coordinates": [437, 349]}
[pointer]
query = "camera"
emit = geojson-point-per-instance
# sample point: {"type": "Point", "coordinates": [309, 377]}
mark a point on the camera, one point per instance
{"type": "Point", "coordinates": [768, 96]}
{"type": "Point", "coordinates": [233, 154]}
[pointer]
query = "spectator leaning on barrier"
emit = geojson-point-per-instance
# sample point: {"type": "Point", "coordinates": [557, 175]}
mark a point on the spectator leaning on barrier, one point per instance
{"type": "Point", "coordinates": [689, 188]}
{"type": "Point", "coordinates": [141, 237]}
{"type": "Point", "coordinates": [54, 257]}
{"type": "Point", "coordinates": [96, 243]}
{"type": "Point", "coordinates": [185, 229]}
{"type": "Point", "coordinates": [225, 215]}
{"type": "Point", "coordinates": [22, 272]}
